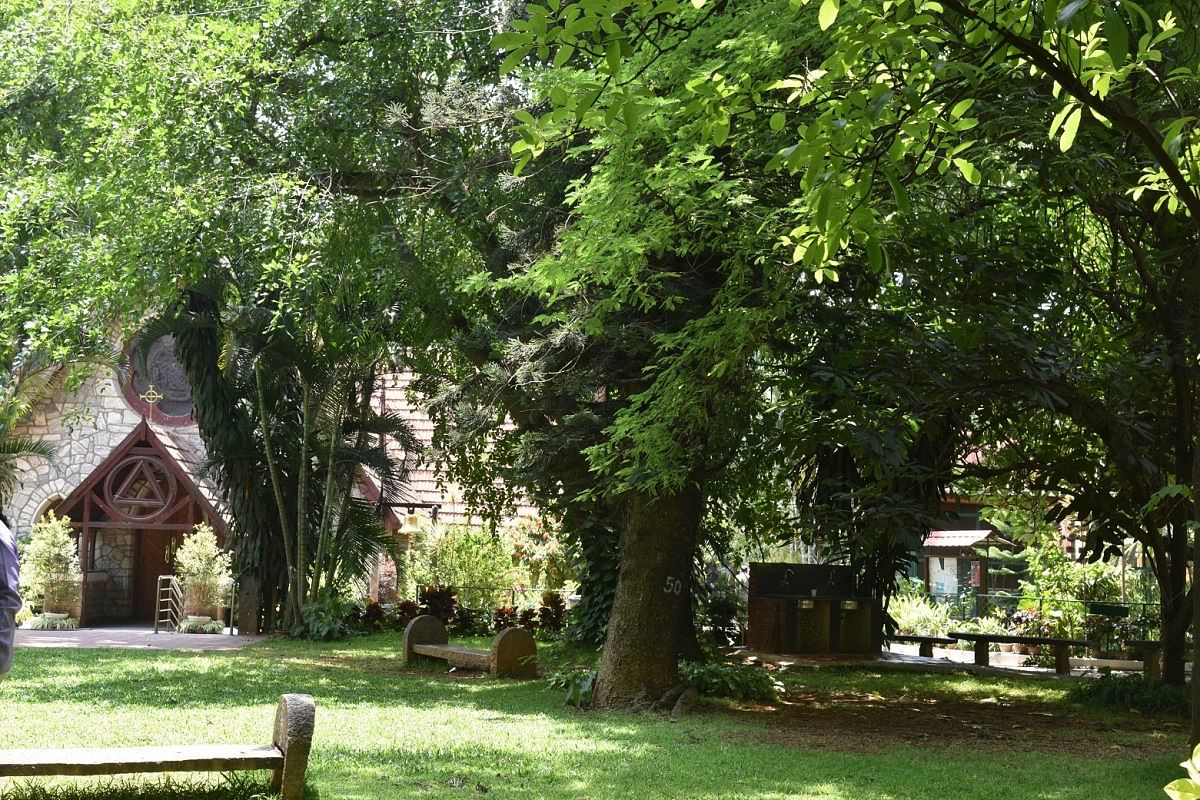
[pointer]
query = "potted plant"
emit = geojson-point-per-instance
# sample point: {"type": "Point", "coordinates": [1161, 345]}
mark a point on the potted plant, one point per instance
{"type": "Point", "coordinates": [1027, 622]}
{"type": "Point", "coordinates": [50, 567]}
{"type": "Point", "coordinates": [205, 575]}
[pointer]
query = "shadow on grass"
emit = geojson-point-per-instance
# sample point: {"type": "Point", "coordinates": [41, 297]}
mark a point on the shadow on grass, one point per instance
{"type": "Point", "coordinates": [175, 679]}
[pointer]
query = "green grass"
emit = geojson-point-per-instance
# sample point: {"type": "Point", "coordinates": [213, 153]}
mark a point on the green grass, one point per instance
{"type": "Point", "coordinates": [387, 732]}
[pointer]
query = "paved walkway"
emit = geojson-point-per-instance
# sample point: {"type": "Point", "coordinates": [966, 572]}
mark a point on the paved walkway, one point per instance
{"type": "Point", "coordinates": [133, 639]}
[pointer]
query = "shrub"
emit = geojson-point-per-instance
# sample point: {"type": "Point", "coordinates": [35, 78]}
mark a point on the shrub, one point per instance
{"type": "Point", "coordinates": [367, 620]}
{"type": "Point", "coordinates": [736, 681]}
{"type": "Point", "coordinates": [917, 615]}
{"type": "Point", "coordinates": [44, 623]}
{"type": "Point", "coordinates": [504, 617]}
{"type": "Point", "coordinates": [538, 548]}
{"type": "Point", "coordinates": [50, 564]}
{"type": "Point", "coordinates": [478, 562]}
{"type": "Point", "coordinates": [212, 626]}
{"type": "Point", "coordinates": [1134, 692]}
{"type": "Point", "coordinates": [578, 681]}
{"type": "Point", "coordinates": [439, 601]}
{"type": "Point", "coordinates": [552, 614]}
{"type": "Point", "coordinates": [720, 615]}
{"type": "Point", "coordinates": [324, 620]}
{"type": "Point", "coordinates": [470, 622]}
{"type": "Point", "coordinates": [528, 619]}
{"type": "Point", "coordinates": [205, 571]}
{"type": "Point", "coordinates": [403, 613]}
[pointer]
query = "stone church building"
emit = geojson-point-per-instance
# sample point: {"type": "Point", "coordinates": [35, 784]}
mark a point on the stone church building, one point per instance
{"type": "Point", "coordinates": [126, 474]}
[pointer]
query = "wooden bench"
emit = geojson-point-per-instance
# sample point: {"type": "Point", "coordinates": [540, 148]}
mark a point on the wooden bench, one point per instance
{"type": "Point", "coordinates": [286, 756]}
{"type": "Point", "coordinates": [983, 641]}
{"type": "Point", "coordinates": [513, 653]}
{"type": "Point", "coordinates": [1151, 656]}
{"type": "Point", "coordinates": [925, 643]}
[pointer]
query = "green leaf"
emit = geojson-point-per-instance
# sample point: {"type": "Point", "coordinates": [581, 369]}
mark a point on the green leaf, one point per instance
{"type": "Point", "coordinates": [828, 14]}
{"type": "Point", "coordinates": [874, 255]}
{"type": "Point", "coordinates": [1070, 128]}
{"type": "Point", "coordinates": [563, 55]}
{"type": "Point", "coordinates": [1069, 11]}
{"type": "Point", "coordinates": [778, 120]}
{"type": "Point", "coordinates": [720, 131]}
{"type": "Point", "coordinates": [968, 170]}
{"type": "Point", "coordinates": [961, 107]}
{"type": "Point", "coordinates": [514, 59]}
{"type": "Point", "coordinates": [1118, 38]}
{"type": "Point", "coordinates": [613, 54]}
{"type": "Point", "coordinates": [900, 194]}
{"type": "Point", "coordinates": [1182, 789]}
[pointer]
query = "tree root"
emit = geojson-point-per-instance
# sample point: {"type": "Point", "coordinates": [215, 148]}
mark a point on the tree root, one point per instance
{"type": "Point", "coordinates": [669, 697]}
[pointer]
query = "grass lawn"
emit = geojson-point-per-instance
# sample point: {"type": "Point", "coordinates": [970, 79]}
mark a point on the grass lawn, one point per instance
{"type": "Point", "coordinates": [384, 731]}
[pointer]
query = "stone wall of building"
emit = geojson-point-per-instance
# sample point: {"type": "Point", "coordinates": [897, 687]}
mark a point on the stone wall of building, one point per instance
{"type": "Point", "coordinates": [110, 595]}
{"type": "Point", "coordinates": [84, 425]}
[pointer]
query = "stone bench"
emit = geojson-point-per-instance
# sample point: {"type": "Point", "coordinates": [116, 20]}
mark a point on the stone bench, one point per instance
{"type": "Point", "coordinates": [925, 643]}
{"type": "Point", "coordinates": [513, 653]}
{"type": "Point", "coordinates": [1151, 656]}
{"type": "Point", "coordinates": [286, 756]}
{"type": "Point", "coordinates": [983, 642]}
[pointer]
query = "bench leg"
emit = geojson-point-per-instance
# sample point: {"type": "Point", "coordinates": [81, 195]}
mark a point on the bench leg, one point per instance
{"type": "Point", "coordinates": [1152, 663]}
{"type": "Point", "coordinates": [926, 649]}
{"type": "Point", "coordinates": [1062, 659]}
{"type": "Point", "coordinates": [983, 654]}
{"type": "Point", "coordinates": [294, 721]}
{"type": "Point", "coordinates": [514, 654]}
{"type": "Point", "coordinates": [424, 629]}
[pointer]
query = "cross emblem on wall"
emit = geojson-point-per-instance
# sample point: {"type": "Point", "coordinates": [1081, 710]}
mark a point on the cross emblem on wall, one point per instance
{"type": "Point", "coordinates": [152, 397]}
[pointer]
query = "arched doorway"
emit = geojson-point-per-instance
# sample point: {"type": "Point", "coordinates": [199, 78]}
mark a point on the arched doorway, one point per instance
{"type": "Point", "coordinates": [131, 514]}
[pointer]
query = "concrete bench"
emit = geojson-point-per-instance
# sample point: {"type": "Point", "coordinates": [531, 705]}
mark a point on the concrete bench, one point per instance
{"type": "Point", "coordinates": [286, 756]}
{"type": "Point", "coordinates": [513, 653]}
{"type": "Point", "coordinates": [1151, 656]}
{"type": "Point", "coordinates": [924, 643]}
{"type": "Point", "coordinates": [983, 642]}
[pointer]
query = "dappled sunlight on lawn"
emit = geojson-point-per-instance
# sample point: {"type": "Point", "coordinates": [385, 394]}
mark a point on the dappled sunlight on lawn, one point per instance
{"type": "Point", "coordinates": [388, 731]}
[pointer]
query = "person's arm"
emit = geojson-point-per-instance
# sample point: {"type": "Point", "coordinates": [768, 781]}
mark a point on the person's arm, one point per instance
{"type": "Point", "coordinates": [10, 598]}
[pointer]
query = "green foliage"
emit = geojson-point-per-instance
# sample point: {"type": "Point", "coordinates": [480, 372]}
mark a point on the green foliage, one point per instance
{"type": "Point", "coordinates": [919, 615]}
{"type": "Point", "coordinates": [578, 681]}
{"type": "Point", "coordinates": [198, 626]}
{"type": "Point", "coordinates": [50, 564]}
{"type": "Point", "coordinates": [736, 681]}
{"type": "Point", "coordinates": [205, 570]}
{"type": "Point", "coordinates": [479, 564]}
{"type": "Point", "coordinates": [440, 602]}
{"type": "Point", "coordinates": [324, 620]}
{"type": "Point", "coordinates": [1186, 788]}
{"type": "Point", "coordinates": [1132, 692]}
{"type": "Point", "coordinates": [538, 547]}
{"type": "Point", "coordinates": [42, 622]}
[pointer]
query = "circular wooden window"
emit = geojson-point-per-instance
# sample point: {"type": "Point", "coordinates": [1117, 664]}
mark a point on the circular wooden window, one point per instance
{"type": "Point", "coordinates": [140, 488]}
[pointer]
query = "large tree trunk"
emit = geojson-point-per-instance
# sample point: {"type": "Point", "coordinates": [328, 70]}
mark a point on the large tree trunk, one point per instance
{"type": "Point", "coordinates": [652, 620]}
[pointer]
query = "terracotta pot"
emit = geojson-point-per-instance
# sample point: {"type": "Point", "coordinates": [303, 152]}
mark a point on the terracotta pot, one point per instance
{"type": "Point", "coordinates": [1023, 649]}
{"type": "Point", "coordinates": [1034, 649]}
{"type": "Point", "coordinates": [1006, 647]}
{"type": "Point", "coordinates": [199, 618]}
